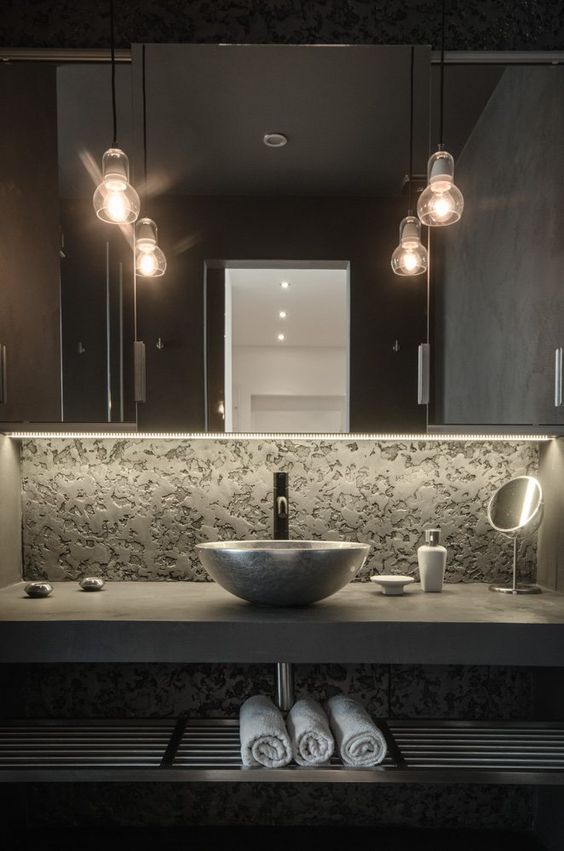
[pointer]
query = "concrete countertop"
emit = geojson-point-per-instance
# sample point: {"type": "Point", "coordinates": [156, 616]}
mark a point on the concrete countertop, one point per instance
{"type": "Point", "coordinates": [200, 622]}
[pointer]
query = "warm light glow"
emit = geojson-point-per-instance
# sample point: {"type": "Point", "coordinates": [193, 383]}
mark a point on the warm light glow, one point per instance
{"type": "Point", "coordinates": [237, 436]}
{"type": "Point", "coordinates": [408, 261]}
{"type": "Point", "coordinates": [281, 337]}
{"type": "Point", "coordinates": [282, 314]}
{"type": "Point", "coordinates": [147, 264]}
{"type": "Point", "coordinates": [117, 206]}
{"type": "Point", "coordinates": [284, 284]}
{"type": "Point", "coordinates": [442, 205]}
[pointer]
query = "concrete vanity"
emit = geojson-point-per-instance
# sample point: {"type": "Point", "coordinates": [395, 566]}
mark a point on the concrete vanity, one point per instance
{"type": "Point", "coordinates": [200, 622]}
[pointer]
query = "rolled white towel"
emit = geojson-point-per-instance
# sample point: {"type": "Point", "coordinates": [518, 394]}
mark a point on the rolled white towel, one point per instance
{"type": "Point", "coordinates": [361, 743]}
{"type": "Point", "coordinates": [264, 739]}
{"type": "Point", "coordinates": [308, 726]}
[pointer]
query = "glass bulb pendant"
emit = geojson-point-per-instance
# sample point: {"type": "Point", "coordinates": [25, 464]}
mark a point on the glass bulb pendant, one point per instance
{"type": "Point", "coordinates": [115, 200]}
{"type": "Point", "coordinates": [150, 261]}
{"type": "Point", "coordinates": [441, 202]}
{"type": "Point", "coordinates": [410, 257]}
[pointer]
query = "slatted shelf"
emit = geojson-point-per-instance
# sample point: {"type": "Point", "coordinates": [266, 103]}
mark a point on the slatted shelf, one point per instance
{"type": "Point", "coordinates": [208, 750]}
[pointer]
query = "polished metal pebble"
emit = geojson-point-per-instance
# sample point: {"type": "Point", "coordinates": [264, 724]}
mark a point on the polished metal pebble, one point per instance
{"type": "Point", "coordinates": [92, 583]}
{"type": "Point", "coordinates": [38, 589]}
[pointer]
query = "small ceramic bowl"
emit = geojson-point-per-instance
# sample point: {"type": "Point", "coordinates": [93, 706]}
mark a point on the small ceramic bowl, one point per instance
{"type": "Point", "coordinates": [392, 585]}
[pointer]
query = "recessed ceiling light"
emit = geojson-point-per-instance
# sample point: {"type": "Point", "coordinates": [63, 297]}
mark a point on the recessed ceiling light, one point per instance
{"type": "Point", "coordinates": [281, 337]}
{"type": "Point", "coordinates": [282, 314]}
{"type": "Point", "coordinates": [275, 140]}
{"type": "Point", "coordinates": [284, 284]}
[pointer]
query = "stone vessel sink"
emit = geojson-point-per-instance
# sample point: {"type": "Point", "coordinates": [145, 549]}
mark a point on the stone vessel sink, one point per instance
{"type": "Point", "coordinates": [282, 573]}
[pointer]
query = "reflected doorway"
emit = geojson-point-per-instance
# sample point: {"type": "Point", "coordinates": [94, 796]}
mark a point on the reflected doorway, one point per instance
{"type": "Point", "coordinates": [287, 349]}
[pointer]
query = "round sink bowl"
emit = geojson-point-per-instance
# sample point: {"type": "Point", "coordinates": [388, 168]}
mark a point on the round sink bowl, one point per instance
{"type": "Point", "coordinates": [282, 573]}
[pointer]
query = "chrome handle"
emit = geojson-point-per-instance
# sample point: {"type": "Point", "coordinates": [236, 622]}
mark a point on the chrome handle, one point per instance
{"type": "Point", "coordinates": [3, 375]}
{"type": "Point", "coordinates": [558, 377]}
{"type": "Point", "coordinates": [140, 371]}
{"type": "Point", "coordinates": [423, 365]}
{"type": "Point", "coordinates": [282, 507]}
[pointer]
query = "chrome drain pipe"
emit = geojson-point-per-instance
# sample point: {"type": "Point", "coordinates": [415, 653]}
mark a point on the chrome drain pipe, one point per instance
{"type": "Point", "coordinates": [284, 686]}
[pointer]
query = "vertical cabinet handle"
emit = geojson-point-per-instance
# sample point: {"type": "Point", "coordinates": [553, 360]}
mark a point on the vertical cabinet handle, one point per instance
{"type": "Point", "coordinates": [558, 377]}
{"type": "Point", "coordinates": [3, 375]}
{"type": "Point", "coordinates": [423, 365]}
{"type": "Point", "coordinates": [140, 371]}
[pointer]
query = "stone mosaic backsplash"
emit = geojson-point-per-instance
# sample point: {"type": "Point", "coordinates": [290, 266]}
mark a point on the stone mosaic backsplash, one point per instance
{"type": "Point", "coordinates": [134, 509]}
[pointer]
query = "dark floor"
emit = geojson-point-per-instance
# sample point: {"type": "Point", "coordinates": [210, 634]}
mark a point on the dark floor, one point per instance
{"type": "Point", "coordinates": [271, 838]}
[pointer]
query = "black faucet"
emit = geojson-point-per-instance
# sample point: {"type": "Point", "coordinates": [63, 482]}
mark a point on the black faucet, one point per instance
{"type": "Point", "coordinates": [280, 507]}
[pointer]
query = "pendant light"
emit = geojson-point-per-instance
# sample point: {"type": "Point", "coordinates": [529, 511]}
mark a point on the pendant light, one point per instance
{"type": "Point", "coordinates": [441, 202]}
{"type": "Point", "coordinates": [410, 257]}
{"type": "Point", "coordinates": [150, 261]}
{"type": "Point", "coordinates": [115, 200]}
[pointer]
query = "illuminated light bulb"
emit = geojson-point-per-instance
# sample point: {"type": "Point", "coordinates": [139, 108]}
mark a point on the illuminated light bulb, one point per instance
{"type": "Point", "coordinates": [115, 200]}
{"type": "Point", "coordinates": [284, 284]}
{"type": "Point", "coordinates": [150, 261]}
{"type": "Point", "coordinates": [117, 207]}
{"type": "Point", "coordinates": [281, 337]}
{"type": "Point", "coordinates": [282, 314]}
{"type": "Point", "coordinates": [441, 202]}
{"type": "Point", "coordinates": [410, 257]}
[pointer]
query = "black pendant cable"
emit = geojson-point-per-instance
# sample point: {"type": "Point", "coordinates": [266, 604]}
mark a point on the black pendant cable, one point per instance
{"type": "Point", "coordinates": [115, 200]}
{"type": "Point", "coordinates": [150, 261]}
{"type": "Point", "coordinates": [441, 202]}
{"type": "Point", "coordinates": [410, 257]}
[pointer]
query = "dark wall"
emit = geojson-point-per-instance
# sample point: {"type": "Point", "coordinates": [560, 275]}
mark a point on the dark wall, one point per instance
{"type": "Point", "coordinates": [364, 231]}
{"type": "Point", "coordinates": [499, 291]}
{"type": "Point", "coordinates": [29, 252]}
{"type": "Point", "coordinates": [472, 24]}
{"type": "Point", "coordinates": [97, 316]}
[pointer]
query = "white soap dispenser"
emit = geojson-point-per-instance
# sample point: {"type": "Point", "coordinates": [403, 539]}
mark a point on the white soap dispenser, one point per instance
{"type": "Point", "coordinates": [431, 557]}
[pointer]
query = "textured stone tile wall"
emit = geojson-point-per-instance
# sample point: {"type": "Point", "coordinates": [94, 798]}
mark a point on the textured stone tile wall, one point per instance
{"type": "Point", "coordinates": [131, 509]}
{"type": "Point", "coordinates": [471, 24]}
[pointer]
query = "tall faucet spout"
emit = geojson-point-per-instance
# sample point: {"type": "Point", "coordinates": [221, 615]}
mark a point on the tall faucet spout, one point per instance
{"type": "Point", "coordinates": [280, 512]}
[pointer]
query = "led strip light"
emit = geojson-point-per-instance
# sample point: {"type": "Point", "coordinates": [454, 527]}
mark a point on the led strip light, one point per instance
{"type": "Point", "coordinates": [240, 436]}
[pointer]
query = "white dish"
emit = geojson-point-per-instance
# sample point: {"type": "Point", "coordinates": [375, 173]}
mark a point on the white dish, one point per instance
{"type": "Point", "coordinates": [392, 585]}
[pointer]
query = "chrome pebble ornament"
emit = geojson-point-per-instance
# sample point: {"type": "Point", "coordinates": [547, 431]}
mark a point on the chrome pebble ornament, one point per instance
{"type": "Point", "coordinates": [92, 583]}
{"type": "Point", "coordinates": [38, 589]}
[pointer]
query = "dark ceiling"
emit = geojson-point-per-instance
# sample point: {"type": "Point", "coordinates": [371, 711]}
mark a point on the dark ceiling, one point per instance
{"type": "Point", "coordinates": [345, 111]}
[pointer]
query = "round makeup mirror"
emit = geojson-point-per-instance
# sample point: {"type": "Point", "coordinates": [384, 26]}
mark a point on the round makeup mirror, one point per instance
{"type": "Point", "coordinates": [516, 510]}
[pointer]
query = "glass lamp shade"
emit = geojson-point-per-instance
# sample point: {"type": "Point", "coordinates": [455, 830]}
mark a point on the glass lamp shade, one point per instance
{"type": "Point", "coordinates": [150, 261]}
{"type": "Point", "coordinates": [441, 202]}
{"type": "Point", "coordinates": [410, 257]}
{"type": "Point", "coordinates": [150, 264]}
{"type": "Point", "coordinates": [115, 200]}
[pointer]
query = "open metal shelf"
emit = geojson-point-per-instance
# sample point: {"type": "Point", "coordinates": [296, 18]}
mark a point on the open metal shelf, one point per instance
{"type": "Point", "coordinates": [170, 750]}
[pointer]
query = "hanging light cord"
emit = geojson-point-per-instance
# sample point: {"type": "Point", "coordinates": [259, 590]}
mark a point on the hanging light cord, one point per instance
{"type": "Point", "coordinates": [442, 96]}
{"type": "Point", "coordinates": [113, 55]}
{"type": "Point", "coordinates": [410, 174]}
{"type": "Point", "coordinates": [144, 87]}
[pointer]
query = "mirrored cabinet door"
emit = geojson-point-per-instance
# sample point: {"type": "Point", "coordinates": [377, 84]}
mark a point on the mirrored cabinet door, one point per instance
{"type": "Point", "coordinates": [67, 288]}
{"type": "Point", "coordinates": [498, 298]}
{"type": "Point", "coordinates": [272, 165]}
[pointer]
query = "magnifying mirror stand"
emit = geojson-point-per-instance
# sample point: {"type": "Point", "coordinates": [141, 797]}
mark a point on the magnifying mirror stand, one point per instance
{"type": "Point", "coordinates": [514, 588]}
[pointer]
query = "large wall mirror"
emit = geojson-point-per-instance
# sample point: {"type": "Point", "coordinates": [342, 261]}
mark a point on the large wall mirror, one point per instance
{"type": "Point", "coordinates": [67, 282]}
{"type": "Point", "coordinates": [271, 166]}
